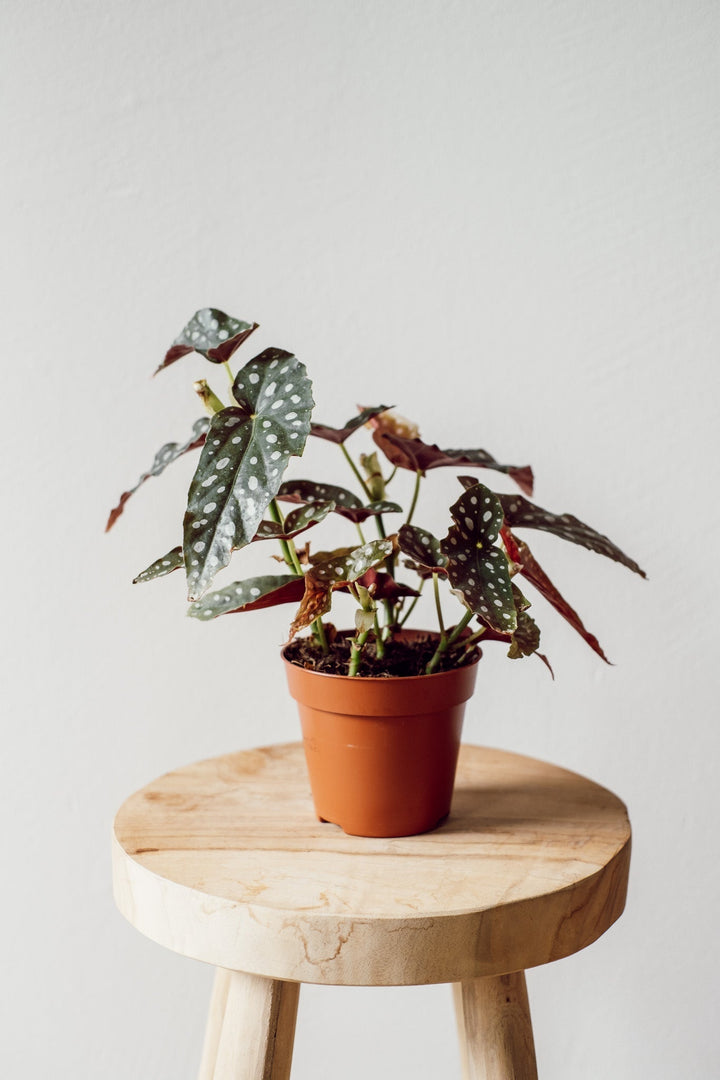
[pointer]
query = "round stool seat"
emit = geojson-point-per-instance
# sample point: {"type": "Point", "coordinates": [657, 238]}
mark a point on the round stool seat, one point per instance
{"type": "Point", "coordinates": [225, 861]}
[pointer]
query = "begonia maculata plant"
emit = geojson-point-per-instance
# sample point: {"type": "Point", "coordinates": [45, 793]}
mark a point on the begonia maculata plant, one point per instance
{"type": "Point", "coordinates": [239, 496]}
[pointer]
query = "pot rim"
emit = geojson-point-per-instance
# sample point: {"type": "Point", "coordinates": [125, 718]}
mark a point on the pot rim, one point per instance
{"type": "Point", "coordinates": [476, 657]}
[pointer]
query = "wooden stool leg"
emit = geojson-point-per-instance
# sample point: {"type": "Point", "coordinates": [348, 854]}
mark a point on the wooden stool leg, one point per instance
{"type": "Point", "coordinates": [496, 1039]}
{"type": "Point", "coordinates": [214, 1024]}
{"type": "Point", "coordinates": [251, 1028]}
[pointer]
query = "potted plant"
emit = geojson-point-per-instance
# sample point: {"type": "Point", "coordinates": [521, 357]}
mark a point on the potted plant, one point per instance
{"type": "Point", "coordinates": [381, 705]}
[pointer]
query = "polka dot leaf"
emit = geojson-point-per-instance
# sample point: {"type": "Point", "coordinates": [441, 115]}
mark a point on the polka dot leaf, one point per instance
{"type": "Point", "coordinates": [211, 333]}
{"type": "Point", "coordinates": [418, 456]}
{"type": "Point", "coordinates": [249, 595]}
{"type": "Point", "coordinates": [534, 573]}
{"type": "Point", "coordinates": [477, 570]}
{"type": "Point", "coordinates": [339, 435]}
{"type": "Point", "coordinates": [307, 491]}
{"type": "Point", "coordinates": [165, 456]}
{"type": "Point", "coordinates": [520, 513]}
{"type": "Point", "coordinates": [333, 571]}
{"type": "Point", "coordinates": [297, 521]}
{"type": "Point", "coordinates": [349, 565]}
{"type": "Point", "coordinates": [242, 462]}
{"type": "Point", "coordinates": [423, 549]}
{"type": "Point", "coordinates": [347, 504]}
{"type": "Point", "coordinates": [172, 561]}
{"type": "Point", "coordinates": [526, 639]}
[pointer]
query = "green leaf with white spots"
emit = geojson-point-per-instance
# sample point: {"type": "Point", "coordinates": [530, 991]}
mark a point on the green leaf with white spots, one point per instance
{"type": "Point", "coordinates": [242, 462]}
{"type": "Point", "coordinates": [346, 502]}
{"type": "Point", "coordinates": [250, 595]}
{"type": "Point", "coordinates": [211, 333]}
{"type": "Point", "coordinates": [423, 548]}
{"type": "Point", "coordinates": [334, 570]}
{"type": "Point", "coordinates": [296, 522]}
{"type": "Point", "coordinates": [346, 566]}
{"type": "Point", "coordinates": [530, 568]}
{"type": "Point", "coordinates": [339, 435]}
{"type": "Point", "coordinates": [165, 456]}
{"type": "Point", "coordinates": [307, 491]}
{"type": "Point", "coordinates": [172, 561]}
{"type": "Point", "coordinates": [372, 510]}
{"type": "Point", "coordinates": [477, 570]}
{"type": "Point", "coordinates": [522, 514]}
{"type": "Point", "coordinates": [526, 639]}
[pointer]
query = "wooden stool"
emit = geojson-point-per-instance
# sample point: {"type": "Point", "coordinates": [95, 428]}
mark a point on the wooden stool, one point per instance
{"type": "Point", "coordinates": [225, 861]}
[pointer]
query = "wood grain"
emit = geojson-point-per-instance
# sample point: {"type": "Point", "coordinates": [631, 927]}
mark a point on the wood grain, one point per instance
{"type": "Point", "coordinates": [214, 1024]}
{"type": "Point", "coordinates": [225, 861]}
{"type": "Point", "coordinates": [496, 1039]}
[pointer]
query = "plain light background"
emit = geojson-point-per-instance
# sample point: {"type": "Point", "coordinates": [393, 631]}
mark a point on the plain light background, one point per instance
{"type": "Point", "coordinates": [503, 218]}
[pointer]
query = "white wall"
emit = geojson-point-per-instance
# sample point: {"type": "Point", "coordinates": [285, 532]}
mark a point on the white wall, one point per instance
{"type": "Point", "coordinates": [501, 217]}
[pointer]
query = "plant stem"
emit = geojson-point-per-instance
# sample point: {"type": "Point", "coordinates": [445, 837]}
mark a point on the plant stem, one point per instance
{"type": "Point", "coordinates": [469, 641]}
{"type": "Point", "coordinates": [319, 631]}
{"type": "Point", "coordinates": [445, 642]}
{"type": "Point", "coordinates": [358, 475]}
{"type": "Point", "coordinates": [360, 533]}
{"type": "Point", "coordinates": [231, 377]}
{"type": "Point", "coordinates": [379, 645]}
{"type": "Point", "coordinates": [277, 517]}
{"type": "Point", "coordinates": [416, 492]}
{"type": "Point", "coordinates": [288, 548]}
{"type": "Point", "coordinates": [469, 646]}
{"type": "Point", "coordinates": [390, 560]}
{"type": "Point", "coordinates": [289, 553]}
{"type": "Point", "coordinates": [356, 647]}
{"type": "Point", "coordinates": [455, 634]}
{"type": "Point", "coordinates": [438, 608]}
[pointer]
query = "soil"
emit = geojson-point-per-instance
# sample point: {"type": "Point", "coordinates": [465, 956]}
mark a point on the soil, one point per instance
{"type": "Point", "coordinates": [401, 658]}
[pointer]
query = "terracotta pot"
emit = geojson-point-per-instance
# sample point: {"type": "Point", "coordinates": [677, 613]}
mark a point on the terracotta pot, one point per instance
{"type": "Point", "coordinates": [382, 752]}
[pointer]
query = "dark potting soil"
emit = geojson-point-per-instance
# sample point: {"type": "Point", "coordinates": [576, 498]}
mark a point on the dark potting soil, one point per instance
{"type": "Point", "coordinates": [401, 658]}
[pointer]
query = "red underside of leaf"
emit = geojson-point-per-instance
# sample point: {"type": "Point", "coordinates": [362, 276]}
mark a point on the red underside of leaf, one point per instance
{"type": "Point", "coordinates": [418, 456]}
{"type": "Point", "coordinates": [287, 594]}
{"type": "Point", "coordinates": [531, 569]}
{"type": "Point", "coordinates": [385, 587]}
{"type": "Point", "coordinates": [221, 353]}
{"type": "Point", "coordinates": [175, 352]}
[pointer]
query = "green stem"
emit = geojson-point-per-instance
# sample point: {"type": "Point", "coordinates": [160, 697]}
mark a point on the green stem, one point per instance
{"type": "Point", "coordinates": [356, 647]}
{"type": "Point", "coordinates": [416, 492]}
{"type": "Point", "coordinates": [469, 641]}
{"type": "Point", "coordinates": [468, 646]}
{"type": "Point", "coordinates": [360, 532]}
{"type": "Point", "coordinates": [455, 634]}
{"type": "Point", "coordinates": [290, 556]}
{"type": "Point", "coordinates": [379, 645]}
{"type": "Point", "coordinates": [358, 475]}
{"type": "Point", "coordinates": [438, 608]}
{"type": "Point", "coordinates": [319, 631]}
{"type": "Point", "coordinates": [446, 641]}
{"type": "Point", "coordinates": [274, 511]}
{"type": "Point", "coordinates": [231, 377]}
{"type": "Point", "coordinates": [390, 561]}
{"type": "Point", "coordinates": [288, 548]}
